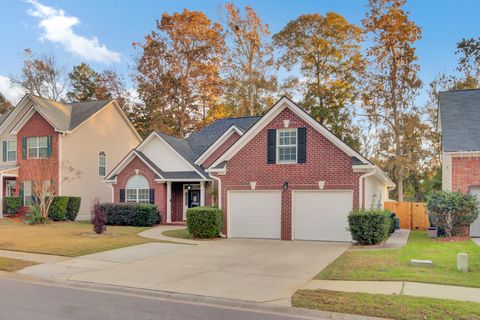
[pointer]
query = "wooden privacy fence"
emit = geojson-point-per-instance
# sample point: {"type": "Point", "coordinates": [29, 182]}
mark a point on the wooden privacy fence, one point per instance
{"type": "Point", "coordinates": [412, 215]}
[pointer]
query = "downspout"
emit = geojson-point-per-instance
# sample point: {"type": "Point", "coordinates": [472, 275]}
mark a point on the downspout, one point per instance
{"type": "Point", "coordinates": [360, 189]}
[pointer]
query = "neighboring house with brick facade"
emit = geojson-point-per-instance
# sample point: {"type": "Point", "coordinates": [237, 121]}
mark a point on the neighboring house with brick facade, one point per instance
{"type": "Point", "coordinates": [279, 176]}
{"type": "Point", "coordinates": [71, 145]}
{"type": "Point", "coordinates": [459, 124]}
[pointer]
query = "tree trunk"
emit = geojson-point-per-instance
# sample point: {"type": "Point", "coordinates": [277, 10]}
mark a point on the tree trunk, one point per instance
{"type": "Point", "coordinates": [399, 176]}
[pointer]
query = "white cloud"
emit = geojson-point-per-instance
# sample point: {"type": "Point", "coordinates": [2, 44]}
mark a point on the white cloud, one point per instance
{"type": "Point", "coordinates": [11, 91]}
{"type": "Point", "coordinates": [58, 28]}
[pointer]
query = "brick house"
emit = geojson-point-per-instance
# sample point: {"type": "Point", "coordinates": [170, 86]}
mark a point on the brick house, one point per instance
{"type": "Point", "coordinates": [459, 118]}
{"type": "Point", "coordinates": [69, 145]}
{"type": "Point", "coordinates": [279, 176]}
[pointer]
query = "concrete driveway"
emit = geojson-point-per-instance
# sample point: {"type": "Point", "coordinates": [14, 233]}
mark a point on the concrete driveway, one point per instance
{"type": "Point", "coordinates": [240, 269]}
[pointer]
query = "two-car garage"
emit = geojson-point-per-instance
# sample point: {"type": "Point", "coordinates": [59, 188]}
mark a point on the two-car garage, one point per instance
{"type": "Point", "coordinates": [316, 214]}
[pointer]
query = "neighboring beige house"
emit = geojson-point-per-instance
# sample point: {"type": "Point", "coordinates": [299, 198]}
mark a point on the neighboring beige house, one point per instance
{"type": "Point", "coordinates": [86, 139]}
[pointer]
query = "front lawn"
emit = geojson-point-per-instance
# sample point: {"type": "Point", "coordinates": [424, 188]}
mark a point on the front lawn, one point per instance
{"type": "Point", "coordinates": [393, 264]}
{"type": "Point", "coordinates": [69, 239]}
{"type": "Point", "coordinates": [178, 233]}
{"type": "Point", "coordinates": [8, 264]}
{"type": "Point", "coordinates": [386, 306]}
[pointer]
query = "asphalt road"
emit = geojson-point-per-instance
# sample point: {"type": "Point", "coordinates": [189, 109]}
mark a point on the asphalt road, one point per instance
{"type": "Point", "coordinates": [27, 301]}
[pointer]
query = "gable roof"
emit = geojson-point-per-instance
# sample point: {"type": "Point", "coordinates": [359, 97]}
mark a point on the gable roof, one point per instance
{"type": "Point", "coordinates": [65, 117]}
{"type": "Point", "coordinates": [459, 116]}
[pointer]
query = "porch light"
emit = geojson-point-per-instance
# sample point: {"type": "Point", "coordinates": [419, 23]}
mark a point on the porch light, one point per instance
{"type": "Point", "coordinates": [285, 185]}
{"type": "Point", "coordinates": [189, 187]}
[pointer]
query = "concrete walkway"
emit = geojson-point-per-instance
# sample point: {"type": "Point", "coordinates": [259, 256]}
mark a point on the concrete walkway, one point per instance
{"type": "Point", "coordinates": [476, 240]}
{"type": "Point", "coordinates": [396, 240]}
{"type": "Point", "coordinates": [399, 288]}
{"type": "Point", "coordinates": [156, 233]}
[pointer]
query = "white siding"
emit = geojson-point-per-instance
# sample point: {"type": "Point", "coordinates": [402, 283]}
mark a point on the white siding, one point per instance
{"type": "Point", "coordinates": [376, 193]}
{"type": "Point", "coordinates": [164, 157]}
{"type": "Point", "coordinates": [107, 132]}
{"type": "Point", "coordinates": [446, 171]}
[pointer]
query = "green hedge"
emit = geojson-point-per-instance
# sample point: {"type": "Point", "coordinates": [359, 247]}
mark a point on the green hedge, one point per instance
{"type": "Point", "coordinates": [204, 222]}
{"type": "Point", "coordinates": [369, 226]}
{"type": "Point", "coordinates": [73, 207]}
{"type": "Point", "coordinates": [139, 215]}
{"type": "Point", "coordinates": [12, 204]}
{"type": "Point", "coordinates": [58, 208]}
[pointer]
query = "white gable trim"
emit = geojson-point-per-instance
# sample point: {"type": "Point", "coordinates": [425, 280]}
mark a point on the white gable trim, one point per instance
{"type": "Point", "coordinates": [226, 135]}
{"type": "Point", "coordinates": [128, 158]}
{"type": "Point", "coordinates": [27, 116]}
{"type": "Point", "coordinates": [270, 115]}
{"type": "Point", "coordinates": [155, 134]}
{"type": "Point", "coordinates": [16, 110]}
{"type": "Point", "coordinates": [119, 109]}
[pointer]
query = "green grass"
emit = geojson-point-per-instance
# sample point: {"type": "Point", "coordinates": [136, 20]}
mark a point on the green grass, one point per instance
{"type": "Point", "coordinates": [386, 306]}
{"type": "Point", "coordinates": [178, 233]}
{"type": "Point", "coordinates": [10, 265]}
{"type": "Point", "coordinates": [69, 239]}
{"type": "Point", "coordinates": [393, 264]}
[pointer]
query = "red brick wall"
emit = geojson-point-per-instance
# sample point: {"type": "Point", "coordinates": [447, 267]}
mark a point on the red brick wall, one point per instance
{"type": "Point", "coordinates": [160, 188]}
{"type": "Point", "coordinates": [465, 173]}
{"type": "Point", "coordinates": [177, 201]}
{"type": "Point", "coordinates": [45, 169]}
{"type": "Point", "coordinates": [324, 162]}
{"type": "Point", "coordinates": [221, 150]}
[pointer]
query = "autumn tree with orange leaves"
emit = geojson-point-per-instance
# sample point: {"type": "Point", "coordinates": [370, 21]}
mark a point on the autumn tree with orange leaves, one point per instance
{"type": "Point", "coordinates": [392, 83]}
{"type": "Point", "coordinates": [249, 86]}
{"type": "Point", "coordinates": [178, 70]}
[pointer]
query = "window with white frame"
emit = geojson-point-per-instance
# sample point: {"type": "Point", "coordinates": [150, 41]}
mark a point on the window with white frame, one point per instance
{"type": "Point", "coordinates": [102, 164]}
{"type": "Point", "coordinates": [37, 147]}
{"type": "Point", "coordinates": [11, 150]}
{"type": "Point", "coordinates": [287, 145]}
{"type": "Point", "coordinates": [137, 190]}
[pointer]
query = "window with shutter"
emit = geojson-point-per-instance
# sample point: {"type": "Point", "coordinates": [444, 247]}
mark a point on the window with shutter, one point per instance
{"type": "Point", "coordinates": [287, 145]}
{"type": "Point", "coordinates": [302, 145]}
{"type": "Point", "coordinates": [271, 145]}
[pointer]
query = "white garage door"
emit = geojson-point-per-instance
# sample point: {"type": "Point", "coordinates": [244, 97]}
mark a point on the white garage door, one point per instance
{"type": "Point", "coordinates": [254, 214]}
{"type": "Point", "coordinates": [321, 215]}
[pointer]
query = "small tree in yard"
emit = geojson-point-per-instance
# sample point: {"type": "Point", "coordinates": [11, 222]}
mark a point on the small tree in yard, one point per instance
{"type": "Point", "coordinates": [42, 187]}
{"type": "Point", "coordinates": [98, 217]}
{"type": "Point", "coordinates": [452, 210]}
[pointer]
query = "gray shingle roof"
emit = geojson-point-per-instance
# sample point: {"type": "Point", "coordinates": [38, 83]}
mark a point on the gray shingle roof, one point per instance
{"type": "Point", "coordinates": [460, 118]}
{"type": "Point", "coordinates": [201, 140]}
{"type": "Point", "coordinates": [65, 116]}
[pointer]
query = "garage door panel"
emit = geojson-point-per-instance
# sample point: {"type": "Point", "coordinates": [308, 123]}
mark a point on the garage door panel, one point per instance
{"type": "Point", "coordinates": [322, 215]}
{"type": "Point", "coordinates": [254, 214]}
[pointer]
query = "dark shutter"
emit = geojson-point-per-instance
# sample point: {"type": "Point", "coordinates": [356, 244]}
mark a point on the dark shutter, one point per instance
{"type": "Point", "coordinates": [271, 146]}
{"type": "Point", "coordinates": [24, 148]}
{"type": "Point", "coordinates": [4, 150]}
{"type": "Point", "coordinates": [122, 195]}
{"type": "Point", "coordinates": [152, 196]}
{"type": "Point", "coordinates": [20, 193]}
{"type": "Point", "coordinates": [302, 145]}
{"type": "Point", "coordinates": [49, 146]}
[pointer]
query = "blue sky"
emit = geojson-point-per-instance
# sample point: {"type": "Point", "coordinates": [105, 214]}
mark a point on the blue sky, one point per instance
{"type": "Point", "coordinates": [101, 32]}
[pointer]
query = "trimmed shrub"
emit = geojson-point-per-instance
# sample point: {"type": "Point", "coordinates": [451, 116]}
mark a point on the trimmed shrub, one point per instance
{"type": "Point", "coordinates": [73, 207]}
{"type": "Point", "coordinates": [139, 215]}
{"type": "Point", "coordinates": [98, 218]}
{"type": "Point", "coordinates": [58, 208]}
{"type": "Point", "coordinates": [369, 226]}
{"type": "Point", "coordinates": [204, 222]}
{"type": "Point", "coordinates": [452, 211]}
{"type": "Point", "coordinates": [12, 204]}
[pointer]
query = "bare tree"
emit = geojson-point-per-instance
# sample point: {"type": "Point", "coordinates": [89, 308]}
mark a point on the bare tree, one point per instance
{"type": "Point", "coordinates": [42, 76]}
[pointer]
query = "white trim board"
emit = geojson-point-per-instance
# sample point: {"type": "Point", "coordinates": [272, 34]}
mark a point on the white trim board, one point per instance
{"type": "Point", "coordinates": [125, 161]}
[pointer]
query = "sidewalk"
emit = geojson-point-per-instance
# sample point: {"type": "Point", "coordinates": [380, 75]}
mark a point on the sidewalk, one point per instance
{"type": "Point", "coordinates": [156, 233]}
{"type": "Point", "coordinates": [476, 240]}
{"type": "Point", "coordinates": [34, 257]}
{"type": "Point", "coordinates": [399, 288]}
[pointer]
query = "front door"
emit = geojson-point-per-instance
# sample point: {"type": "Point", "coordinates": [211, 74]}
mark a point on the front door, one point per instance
{"type": "Point", "coordinates": [193, 198]}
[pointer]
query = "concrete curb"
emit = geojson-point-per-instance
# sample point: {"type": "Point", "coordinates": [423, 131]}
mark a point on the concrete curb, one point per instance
{"type": "Point", "coordinates": [204, 300]}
